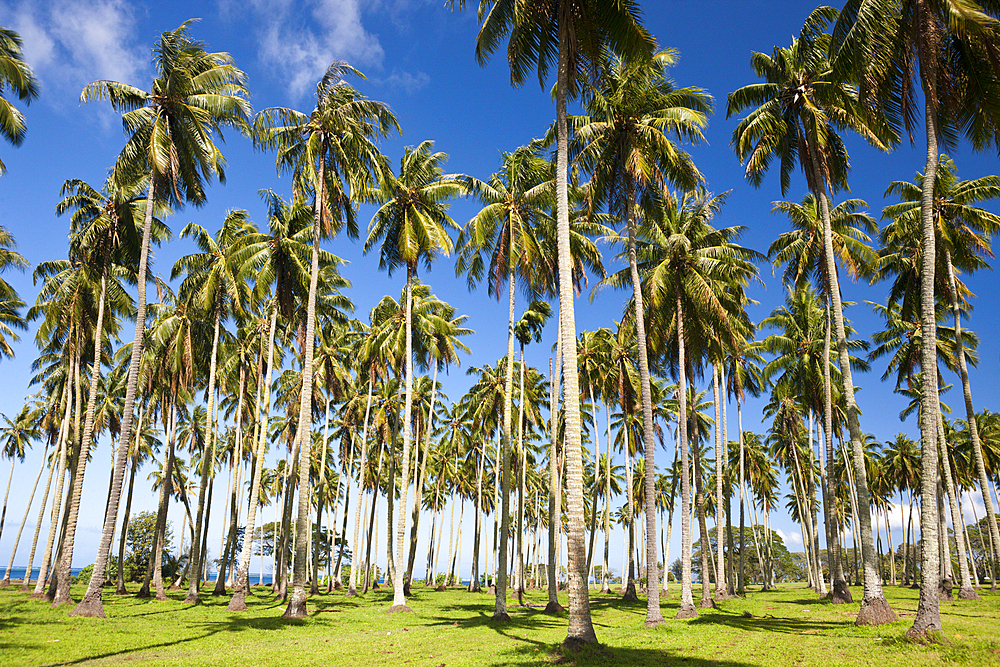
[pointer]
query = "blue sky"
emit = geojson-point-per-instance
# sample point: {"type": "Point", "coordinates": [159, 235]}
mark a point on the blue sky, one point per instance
{"type": "Point", "coordinates": [419, 59]}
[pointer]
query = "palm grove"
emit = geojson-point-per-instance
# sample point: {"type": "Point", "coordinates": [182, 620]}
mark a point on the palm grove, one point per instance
{"type": "Point", "coordinates": [254, 350]}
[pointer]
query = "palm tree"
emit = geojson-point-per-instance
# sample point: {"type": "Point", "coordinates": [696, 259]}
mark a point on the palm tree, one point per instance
{"type": "Point", "coordinates": [11, 304]}
{"type": "Point", "coordinates": [15, 75]}
{"type": "Point", "coordinates": [573, 33]}
{"type": "Point", "coordinates": [502, 242]}
{"type": "Point", "coordinates": [194, 96]}
{"type": "Point", "coordinates": [962, 231]}
{"type": "Point", "coordinates": [948, 49]}
{"type": "Point", "coordinates": [328, 149]}
{"type": "Point", "coordinates": [212, 286]}
{"type": "Point", "coordinates": [693, 274]}
{"type": "Point", "coordinates": [17, 434]}
{"type": "Point", "coordinates": [794, 116]}
{"type": "Point", "coordinates": [411, 226]}
{"type": "Point", "coordinates": [625, 143]}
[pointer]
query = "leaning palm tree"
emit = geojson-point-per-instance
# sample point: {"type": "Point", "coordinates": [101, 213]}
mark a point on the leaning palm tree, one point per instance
{"type": "Point", "coordinates": [794, 116]}
{"type": "Point", "coordinates": [330, 152]}
{"type": "Point", "coordinates": [950, 50]}
{"type": "Point", "coordinates": [572, 35]}
{"type": "Point", "coordinates": [194, 96]}
{"type": "Point", "coordinates": [16, 76]}
{"type": "Point", "coordinates": [11, 317]}
{"type": "Point", "coordinates": [625, 139]}
{"type": "Point", "coordinates": [16, 435]}
{"type": "Point", "coordinates": [410, 227]}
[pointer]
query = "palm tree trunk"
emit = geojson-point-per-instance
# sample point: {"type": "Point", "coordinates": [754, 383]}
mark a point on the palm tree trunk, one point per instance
{"type": "Point", "coordinates": [120, 578]}
{"type": "Point", "coordinates": [62, 595]}
{"type": "Point", "coordinates": [521, 461]}
{"type": "Point", "coordinates": [240, 588]}
{"type": "Point", "coordinates": [474, 585]}
{"type": "Point", "coordinates": [398, 594]}
{"type": "Point", "coordinates": [687, 608]}
{"type": "Point", "coordinates": [605, 579]}
{"type": "Point", "coordinates": [874, 608]}
{"type": "Point", "coordinates": [352, 585]}
{"type": "Point", "coordinates": [38, 522]}
{"type": "Point", "coordinates": [166, 489]}
{"type": "Point", "coordinates": [57, 497]}
{"type": "Point", "coordinates": [555, 488]}
{"type": "Point", "coordinates": [965, 590]}
{"type": "Point", "coordinates": [91, 604]}
{"type": "Point", "coordinates": [741, 578]}
{"type": "Point", "coordinates": [970, 415]}
{"type": "Point", "coordinates": [629, 592]}
{"type": "Point", "coordinates": [720, 471]}
{"type": "Point", "coordinates": [581, 629]}
{"type": "Point", "coordinates": [500, 607]}
{"type": "Point", "coordinates": [927, 621]}
{"type": "Point", "coordinates": [419, 486]}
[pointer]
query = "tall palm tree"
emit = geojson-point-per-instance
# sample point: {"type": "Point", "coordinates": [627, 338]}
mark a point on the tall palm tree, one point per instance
{"type": "Point", "coordinates": [15, 75]}
{"type": "Point", "coordinates": [794, 116]}
{"type": "Point", "coordinates": [962, 231]}
{"type": "Point", "coordinates": [331, 152]}
{"type": "Point", "coordinates": [411, 226]}
{"type": "Point", "coordinates": [950, 51]}
{"type": "Point", "coordinates": [693, 274]}
{"type": "Point", "coordinates": [501, 241]}
{"type": "Point", "coordinates": [632, 112]}
{"type": "Point", "coordinates": [212, 286]}
{"type": "Point", "coordinates": [194, 96]}
{"type": "Point", "coordinates": [572, 35]}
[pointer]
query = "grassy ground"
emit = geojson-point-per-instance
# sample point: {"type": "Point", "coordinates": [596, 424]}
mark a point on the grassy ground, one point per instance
{"type": "Point", "coordinates": [787, 627]}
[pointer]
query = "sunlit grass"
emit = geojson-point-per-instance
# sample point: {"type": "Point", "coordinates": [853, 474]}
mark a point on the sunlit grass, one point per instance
{"type": "Point", "coordinates": [787, 627]}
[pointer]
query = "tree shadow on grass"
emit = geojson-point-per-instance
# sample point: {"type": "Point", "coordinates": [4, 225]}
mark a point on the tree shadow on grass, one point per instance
{"type": "Point", "coordinates": [602, 655]}
{"type": "Point", "coordinates": [767, 623]}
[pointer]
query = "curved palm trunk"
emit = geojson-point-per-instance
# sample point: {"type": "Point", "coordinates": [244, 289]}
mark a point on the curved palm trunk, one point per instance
{"type": "Point", "coordinates": [687, 608]}
{"type": "Point", "coordinates": [27, 509]}
{"type": "Point", "coordinates": [874, 608]}
{"type": "Point", "coordinates": [928, 618]}
{"type": "Point", "coordinates": [581, 629]}
{"type": "Point", "coordinates": [62, 595]}
{"type": "Point", "coordinates": [653, 615]}
{"type": "Point", "coordinates": [297, 600]}
{"type": "Point", "coordinates": [970, 415]}
{"type": "Point", "coordinates": [241, 585]}
{"type": "Point", "coordinates": [198, 554]}
{"type": "Point", "coordinates": [419, 486]}
{"type": "Point", "coordinates": [120, 578]}
{"type": "Point", "coordinates": [38, 523]}
{"type": "Point", "coordinates": [57, 499]}
{"type": "Point", "coordinates": [91, 604]}
{"type": "Point", "coordinates": [965, 591]}
{"type": "Point", "coordinates": [399, 572]}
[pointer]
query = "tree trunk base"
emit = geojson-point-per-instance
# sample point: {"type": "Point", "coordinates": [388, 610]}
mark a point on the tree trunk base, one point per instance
{"type": "Point", "coordinates": [296, 607]}
{"type": "Point", "coordinates": [605, 589]}
{"type": "Point", "coordinates": [492, 590]}
{"type": "Point", "coordinates": [577, 643]}
{"type": "Point", "coordinates": [554, 607]}
{"type": "Point", "coordinates": [399, 609]}
{"type": "Point", "coordinates": [706, 603]}
{"type": "Point", "coordinates": [945, 589]}
{"type": "Point", "coordinates": [121, 590]}
{"type": "Point", "coordinates": [314, 588]}
{"type": "Point", "coordinates": [722, 595]}
{"type": "Point", "coordinates": [143, 592]}
{"type": "Point", "coordinates": [968, 594]}
{"type": "Point", "coordinates": [5, 582]}
{"type": "Point", "coordinates": [441, 589]}
{"type": "Point", "coordinates": [875, 611]}
{"type": "Point", "coordinates": [655, 621]}
{"type": "Point", "coordinates": [406, 589]}
{"type": "Point", "coordinates": [237, 602]}
{"type": "Point", "coordinates": [90, 606]}
{"type": "Point", "coordinates": [161, 597]}
{"type": "Point", "coordinates": [630, 594]}
{"type": "Point", "coordinates": [502, 617]}
{"type": "Point", "coordinates": [925, 634]}
{"type": "Point", "coordinates": [38, 596]}
{"type": "Point", "coordinates": [338, 585]}
{"type": "Point", "coordinates": [841, 594]}
{"type": "Point", "coordinates": [686, 610]}
{"type": "Point", "coordinates": [220, 588]}
{"type": "Point", "coordinates": [192, 598]}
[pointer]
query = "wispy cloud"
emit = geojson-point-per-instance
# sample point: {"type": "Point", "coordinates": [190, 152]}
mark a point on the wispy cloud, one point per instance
{"type": "Point", "coordinates": [405, 81]}
{"type": "Point", "coordinates": [70, 43]}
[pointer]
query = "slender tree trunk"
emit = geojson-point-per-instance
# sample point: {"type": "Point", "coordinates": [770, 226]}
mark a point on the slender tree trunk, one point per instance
{"type": "Point", "coordinates": [27, 509]}
{"type": "Point", "coordinates": [874, 608]}
{"type": "Point", "coordinates": [720, 471]}
{"type": "Point", "coordinates": [419, 486]}
{"type": "Point", "coordinates": [62, 595]}
{"type": "Point", "coordinates": [120, 578]}
{"type": "Point", "coordinates": [970, 415]}
{"type": "Point", "coordinates": [741, 583]}
{"type": "Point", "coordinates": [352, 585]}
{"type": "Point", "coordinates": [41, 515]}
{"type": "Point", "coordinates": [555, 487]}
{"type": "Point", "coordinates": [166, 490]}
{"type": "Point", "coordinates": [521, 461]}
{"type": "Point", "coordinates": [965, 589]}
{"type": "Point", "coordinates": [687, 608]}
{"type": "Point", "coordinates": [581, 628]}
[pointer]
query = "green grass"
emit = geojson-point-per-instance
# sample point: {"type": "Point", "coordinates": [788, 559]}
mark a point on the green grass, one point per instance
{"type": "Point", "coordinates": [787, 627]}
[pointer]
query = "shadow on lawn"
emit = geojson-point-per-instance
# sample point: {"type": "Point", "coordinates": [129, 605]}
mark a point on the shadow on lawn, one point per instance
{"type": "Point", "coordinates": [594, 655]}
{"type": "Point", "coordinates": [767, 623]}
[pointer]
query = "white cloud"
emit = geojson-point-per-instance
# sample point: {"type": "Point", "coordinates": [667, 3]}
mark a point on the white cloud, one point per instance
{"type": "Point", "coordinates": [410, 83]}
{"type": "Point", "coordinates": [301, 52]}
{"type": "Point", "coordinates": [70, 43]}
{"type": "Point", "coordinates": [792, 538]}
